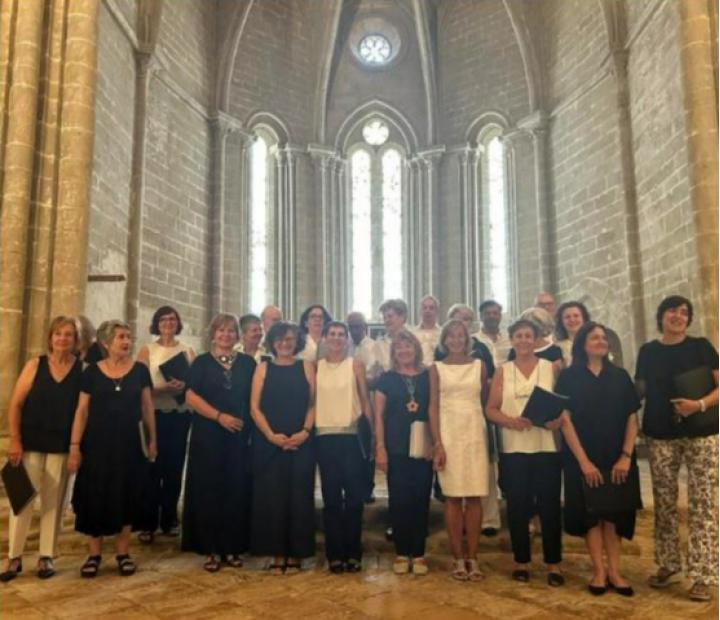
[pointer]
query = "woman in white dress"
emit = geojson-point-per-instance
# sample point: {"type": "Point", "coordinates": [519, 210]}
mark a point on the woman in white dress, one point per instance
{"type": "Point", "coordinates": [458, 389]}
{"type": "Point", "coordinates": [530, 466]}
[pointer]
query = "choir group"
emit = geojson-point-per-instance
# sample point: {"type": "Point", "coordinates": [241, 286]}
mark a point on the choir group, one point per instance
{"type": "Point", "coordinates": [245, 425]}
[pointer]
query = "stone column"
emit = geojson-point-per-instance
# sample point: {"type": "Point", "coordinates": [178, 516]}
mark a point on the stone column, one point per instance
{"type": "Point", "coordinates": [285, 157]}
{"type": "Point", "coordinates": [222, 126]}
{"type": "Point", "coordinates": [697, 25]}
{"type": "Point", "coordinates": [471, 268]}
{"type": "Point", "coordinates": [537, 125]}
{"type": "Point", "coordinates": [47, 63]}
{"type": "Point", "coordinates": [326, 194]}
{"type": "Point", "coordinates": [430, 160]}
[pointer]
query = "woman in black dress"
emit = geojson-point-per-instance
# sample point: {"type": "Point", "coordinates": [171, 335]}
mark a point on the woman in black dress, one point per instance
{"type": "Point", "coordinates": [40, 416]}
{"type": "Point", "coordinates": [283, 461]}
{"type": "Point", "coordinates": [106, 448]}
{"type": "Point", "coordinates": [402, 398]}
{"type": "Point", "coordinates": [599, 448]}
{"type": "Point", "coordinates": [215, 511]}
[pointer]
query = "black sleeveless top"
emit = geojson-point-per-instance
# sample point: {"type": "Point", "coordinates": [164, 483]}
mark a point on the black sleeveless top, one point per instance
{"type": "Point", "coordinates": [49, 409]}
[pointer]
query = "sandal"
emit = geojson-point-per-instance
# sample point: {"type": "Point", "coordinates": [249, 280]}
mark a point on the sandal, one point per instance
{"type": "Point", "coordinates": [474, 572]}
{"type": "Point", "coordinates": [521, 574]}
{"type": "Point", "coordinates": [212, 564]}
{"type": "Point", "coordinates": [91, 567]}
{"type": "Point", "coordinates": [45, 567]}
{"type": "Point", "coordinates": [353, 566]}
{"type": "Point", "coordinates": [459, 572]}
{"type": "Point", "coordinates": [276, 569]}
{"type": "Point", "coordinates": [401, 565]}
{"type": "Point", "coordinates": [419, 567]}
{"type": "Point", "coordinates": [235, 561]}
{"type": "Point", "coordinates": [146, 538]}
{"type": "Point", "coordinates": [336, 567]}
{"type": "Point", "coordinates": [126, 566]}
{"type": "Point", "coordinates": [13, 570]}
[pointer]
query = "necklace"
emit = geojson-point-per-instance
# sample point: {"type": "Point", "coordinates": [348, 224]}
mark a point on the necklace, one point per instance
{"type": "Point", "coordinates": [412, 405]}
{"type": "Point", "coordinates": [226, 359]}
{"type": "Point", "coordinates": [118, 384]}
{"type": "Point", "coordinates": [523, 394]}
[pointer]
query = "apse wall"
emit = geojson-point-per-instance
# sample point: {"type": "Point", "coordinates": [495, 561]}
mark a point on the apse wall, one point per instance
{"type": "Point", "coordinates": [176, 211]}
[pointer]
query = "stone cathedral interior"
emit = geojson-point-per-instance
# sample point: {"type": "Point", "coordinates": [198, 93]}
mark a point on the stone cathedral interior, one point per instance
{"type": "Point", "coordinates": [224, 155]}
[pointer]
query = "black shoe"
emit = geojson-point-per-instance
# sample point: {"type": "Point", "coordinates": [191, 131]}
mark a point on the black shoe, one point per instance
{"type": "Point", "coordinates": [621, 590]}
{"type": "Point", "coordinates": [389, 534]}
{"type": "Point", "coordinates": [353, 566]}
{"type": "Point", "coordinates": [45, 567]}
{"type": "Point", "coordinates": [336, 567]}
{"type": "Point", "coordinates": [521, 575]}
{"type": "Point", "coordinates": [14, 569]}
{"type": "Point", "coordinates": [490, 532]}
{"type": "Point", "coordinates": [555, 580]}
{"type": "Point", "coordinates": [597, 590]}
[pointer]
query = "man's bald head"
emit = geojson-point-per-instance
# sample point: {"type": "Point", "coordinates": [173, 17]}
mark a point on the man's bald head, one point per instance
{"type": "Point", "coordinates": [270, 315]}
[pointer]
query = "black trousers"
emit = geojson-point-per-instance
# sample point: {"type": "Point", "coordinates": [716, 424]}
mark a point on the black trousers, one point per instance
{"type": "Point", "coordinates": [409, 484]}
{"type": "Point", "coordinates": [162, 492]}
{"type": "Point", "coordinates": [344, 486]}
{"type": "Point", "coordinates": [531, 484]}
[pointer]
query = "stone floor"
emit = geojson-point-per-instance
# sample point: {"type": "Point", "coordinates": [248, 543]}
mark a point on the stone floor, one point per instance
{"type": "Point", "coordinates": [170, 584]}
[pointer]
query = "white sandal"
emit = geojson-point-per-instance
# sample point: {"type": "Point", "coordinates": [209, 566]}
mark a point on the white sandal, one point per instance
{"type": "Point", "coordinates": [474, 572]}
{"type": "Point", "coordinates": [459, 572]}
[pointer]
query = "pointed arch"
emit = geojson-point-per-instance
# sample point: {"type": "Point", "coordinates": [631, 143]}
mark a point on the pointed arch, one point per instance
{"type": "Point", "coordinates": [377, 109]}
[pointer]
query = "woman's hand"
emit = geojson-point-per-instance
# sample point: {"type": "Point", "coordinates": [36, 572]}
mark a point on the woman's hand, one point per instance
{"type": "Point", "coordinates": [439, 457]}
{"type": "Point", "coordinates": [15, 451]}
{"type": "Point", "coordinates": [592, 474]}
{"type": "Point", "coordinates": [620, 470]}
{"type": "Point", "coordinates": [296, 440]}
{"type": "Point", "coordinates": [685, 407]}
{"type": "Point", "coordinates": [519, 424]}
{"type": "Point", "coordinates": [176, 385]}
{"type": "Point", "coordinates": [381, 459]}
{"type": "Point", "coordinates": [230, 422]}
{"type": "Point", "coordinates": [278, 439]}
{"type": "Point", "coordinates": [74, 459]}
{"type": "Point", "coordinates": [554, 425]}
{"type": "Point", "coordinates": [152, 451]}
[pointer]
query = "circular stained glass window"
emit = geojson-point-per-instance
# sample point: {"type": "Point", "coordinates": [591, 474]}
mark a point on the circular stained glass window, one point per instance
{"type": "Point", "coordinates": [375, 132]}
{"type": "Point", "coordinates": [375, 49]}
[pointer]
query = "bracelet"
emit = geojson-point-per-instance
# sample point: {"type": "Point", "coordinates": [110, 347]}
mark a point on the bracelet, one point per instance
{"type": "Point", "coordinates": [217, 417]}
{"type": "Point", "coordinates": [74, 443]}
{"type": "Point", "coordinates": [703, 406]}
{"type": "Point", "coordinates": [307, 430]}
{"type": "Point", "coordinates": [627, 454]}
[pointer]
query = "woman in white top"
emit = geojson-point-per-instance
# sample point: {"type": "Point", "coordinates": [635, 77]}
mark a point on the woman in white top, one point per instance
{"type": "Point", "coordinates": [312, 322]}
{"type": "Point", "coordinates": [570, 317]}
{"type": "Point", "coordinates": [172, 421]}
{"type": "Point", "coordinates": [458, 387]}
{"type": "Point", "coordinates": [530, 466]}
{"type": "Point", "coordinates": [341, 400]}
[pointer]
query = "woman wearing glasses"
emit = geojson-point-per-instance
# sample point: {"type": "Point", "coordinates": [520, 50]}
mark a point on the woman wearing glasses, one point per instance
{"type": "Point", "coordinates": [215, 513]}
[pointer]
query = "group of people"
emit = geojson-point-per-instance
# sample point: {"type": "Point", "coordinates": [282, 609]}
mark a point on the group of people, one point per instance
{"type": "Point", "coordinates": [431, 406]}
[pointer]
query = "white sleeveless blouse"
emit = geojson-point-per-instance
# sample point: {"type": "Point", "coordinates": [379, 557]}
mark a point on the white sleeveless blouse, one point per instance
{"type": "Point", "coordinates": [158, 356]}
{"type": "Point", "coordinates": [337, 403]}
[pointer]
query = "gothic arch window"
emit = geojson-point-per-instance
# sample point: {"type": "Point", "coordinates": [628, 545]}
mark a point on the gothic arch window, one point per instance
{"type": "Point", "coordinates": [376, 216]}
{"type": "Point", "coordinates": [261, 200]}
{"type": "Point", "coordinates": [493, 174]}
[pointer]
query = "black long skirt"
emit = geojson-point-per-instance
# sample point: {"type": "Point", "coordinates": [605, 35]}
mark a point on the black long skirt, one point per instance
{"type": "Point", "coordinates": [283, 503]}
{"type": "Point", "coordinates": [215, 508]}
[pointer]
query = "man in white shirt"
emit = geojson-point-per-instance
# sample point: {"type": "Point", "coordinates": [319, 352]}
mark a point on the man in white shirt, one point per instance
{"type": "Point", "coordinates": [428, 331]}
{"type": "Point", "coordinates": [394, 313]}
{"type": "Point", "coordinates": [360, 345]}
{"type": "Point", "coordinates": [490, 333]}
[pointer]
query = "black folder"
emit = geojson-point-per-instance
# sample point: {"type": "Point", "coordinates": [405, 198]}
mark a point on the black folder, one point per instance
{"type": "Point", "coordinates": [544, 406]}
{"type": "Point", "coordinates": [695, 384]}
{"type": "Point", "coordinates": [177, 367]}
{"type": "Point", "coordinates": [19, 489]}
{"type": "Point", "coordinates": [610, 498]}
{"type": "Point", "coordinates": [365, 437]}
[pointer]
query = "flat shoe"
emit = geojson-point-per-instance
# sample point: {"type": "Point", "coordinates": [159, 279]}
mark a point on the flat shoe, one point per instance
{"type": "Point", "coordinates": [126, 566]}
{"type": "Point", "coordinates": [555, 580]}
{"type": "Point", "coordinates": [621, 590]}
{"type": "Point", "coordinates": [45, 568]}
{"type": "Point", "coordinates": [14, 569]}
{"type": "Point", "coordinates": [521, 575]}
{"type": "Point", "coordinates": [336, 567]}
{"type": "Point", "coordinates": [597, 590]}
{"type": "Point", "coordinates": [211, 565]}
{"type": "Point", "coordinates": [353, 566]}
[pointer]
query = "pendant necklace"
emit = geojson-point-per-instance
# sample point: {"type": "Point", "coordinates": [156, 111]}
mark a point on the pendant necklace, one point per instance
{"type": "Point", "coordinates": [227, 359]}
{"type": "Point", "coordinates": [412, 405]}
{"type": "Point", "coordinates": [118, 384]}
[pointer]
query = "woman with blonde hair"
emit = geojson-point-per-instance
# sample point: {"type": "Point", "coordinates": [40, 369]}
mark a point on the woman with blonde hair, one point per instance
{"type": "Point", "coordinates": [215, 511]}
{"type": "Point", "coordinates": [40, 417]}
{"type": "Point", "coordinates": [458, 391]}
{"type": "Point", "coordinates": [107, 451]}
{"type": "Point", "coordinates": [402, 398]}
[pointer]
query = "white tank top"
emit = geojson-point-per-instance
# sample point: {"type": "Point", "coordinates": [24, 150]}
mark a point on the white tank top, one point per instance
{"type": "Point", "coordinates": [159, 355]}
{"type": "Point", "coordinates": [337, 404]}
{"type": "Point", "coordinates": [516, 391]}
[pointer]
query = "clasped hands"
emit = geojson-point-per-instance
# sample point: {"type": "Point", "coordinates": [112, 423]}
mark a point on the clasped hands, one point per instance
{"type": "Point", "coordinates": [618, 474]}
{"type": "Point", "coordinates": [293, 442]}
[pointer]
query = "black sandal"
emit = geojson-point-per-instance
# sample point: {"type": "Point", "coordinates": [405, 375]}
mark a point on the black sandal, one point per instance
{"type": "Point", "coordinates": [13, 570]}
{"type": "Point", "coordinates": [126, 566]}
{"type": "Point", "coordinates": [91, 567]}
{"type": "Point", "coordinates": [45, 567]}
{"type": "Point", "coordinates": [336, 567]}
{"type": "Point", "coordinates": [522, 575]}
{"type": "Point", "coordinates": [212, 564]}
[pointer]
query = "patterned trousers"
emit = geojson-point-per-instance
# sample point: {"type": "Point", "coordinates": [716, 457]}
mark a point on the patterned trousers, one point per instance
{"type": "Point", "coordinates": [700, 456]}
